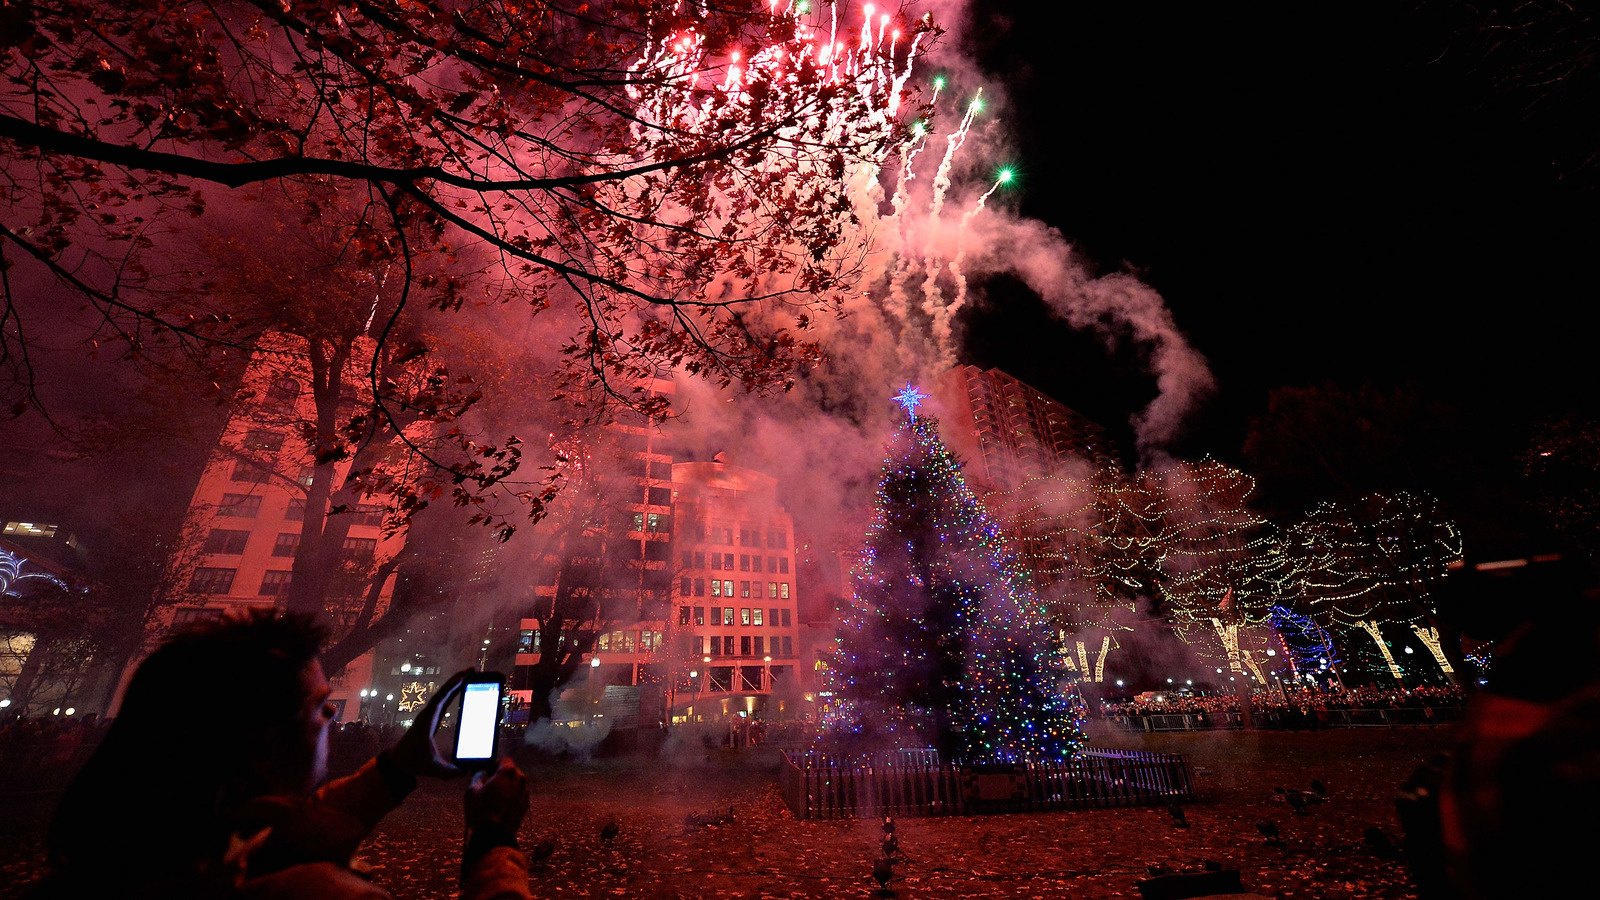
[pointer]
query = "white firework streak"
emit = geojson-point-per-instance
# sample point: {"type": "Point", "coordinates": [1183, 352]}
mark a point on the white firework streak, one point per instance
{"type": "Point", "coordinates": [943, 316]}
{"type": "Point", "coordinates": [932, 295]}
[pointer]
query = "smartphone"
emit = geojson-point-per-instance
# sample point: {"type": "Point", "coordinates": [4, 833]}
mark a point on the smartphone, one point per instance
{"type": "Point", "coordinates": [478, 720]}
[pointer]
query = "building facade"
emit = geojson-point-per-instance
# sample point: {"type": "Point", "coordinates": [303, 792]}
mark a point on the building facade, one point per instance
{"type": "Point", "coordinates": [1008, 431]}
{"type": "Point", "coordinates": [737, 627]}
{"type": "Point", "coordinates": [243, 527]}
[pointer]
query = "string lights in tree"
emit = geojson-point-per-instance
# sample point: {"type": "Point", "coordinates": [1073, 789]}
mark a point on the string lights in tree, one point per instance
{"type": "Point", "coordinates": [944, 640]}
{"type": "Point", "coordinates": [1217, 560]}
{"type": "Point", "coordinates": [1369, 567]}
{"type": "Point", "coordinates": [1090, 544]}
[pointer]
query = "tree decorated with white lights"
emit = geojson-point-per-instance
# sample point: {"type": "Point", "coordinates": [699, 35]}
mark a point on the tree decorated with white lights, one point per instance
{"type": "Point", "coordinates": [1219, 569]}
{"type": "Point", "coordinates": [944, 640]}
{"type": "Point", "coordinates": [1371, 567]}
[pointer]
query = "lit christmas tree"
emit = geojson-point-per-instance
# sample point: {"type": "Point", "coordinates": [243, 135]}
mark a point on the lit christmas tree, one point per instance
{"type": "Point", "coordinates": [945, 641]}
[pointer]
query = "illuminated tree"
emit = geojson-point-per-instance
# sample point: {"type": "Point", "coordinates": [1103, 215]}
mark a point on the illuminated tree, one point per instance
{"type": "Point", "coordinates": [1090, 545]}
{"type": "Point", "coordinates": [660, 170]}
{"type": "Point", "coordinates": [1376, 564]}
{"type": "Point", "coordinates": [1217, 561]}
{"type": "Point", "coordinates": [944, 640]}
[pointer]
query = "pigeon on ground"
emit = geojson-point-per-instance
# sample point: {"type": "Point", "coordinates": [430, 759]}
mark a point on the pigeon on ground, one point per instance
{"type": "Point", "coordinates": [1269, 830]}
{"type": "Point", "coordinates": [1296, 800]}
{"type": "Point", "coordinates": [1379, 843]}
{"type": "Point", "coordinates": [540, 854]}
{"type": "Point", "coordinates": [1179, 820]}
{"type": "Point", "coordinates": [882, 872]}
{"type": "Point", "coordinates": [609, 831]}
{"type": "Point", "coordinates": [1319, 789]}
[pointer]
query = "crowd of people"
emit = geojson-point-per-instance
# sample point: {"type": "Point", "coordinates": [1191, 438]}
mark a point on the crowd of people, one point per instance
{"type": "Point", "coordinates": [1277, 702]}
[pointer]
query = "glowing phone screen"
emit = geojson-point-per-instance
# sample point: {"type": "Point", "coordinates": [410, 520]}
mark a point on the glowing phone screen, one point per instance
{"type": "Point", "coordinates": [479, 707]}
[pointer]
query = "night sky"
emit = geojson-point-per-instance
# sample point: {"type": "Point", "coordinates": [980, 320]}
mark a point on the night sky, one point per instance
{"type": "Point", "coordinates": [1319, 193]}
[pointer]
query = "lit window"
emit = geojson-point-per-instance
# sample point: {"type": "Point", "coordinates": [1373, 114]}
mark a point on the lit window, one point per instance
{"type": "Point", "coordinates": [716, 588]}
{"type": "Point", "coordinates": [755, 616]}
{"type": "Point", "coordinates": [783, 590]}
{"type": "Point", "coordinates": [29, 529]}
{"type": "Point", "coordinates": [744, 589]}
{"type": "Point", "coordinates": [727, 615]}
{"type": "Point", "coordinates": [772, 590]}
{"type": "Point", "coordinates": [744, 616]}
{"type": "Point", "coordinates": [727, 588]}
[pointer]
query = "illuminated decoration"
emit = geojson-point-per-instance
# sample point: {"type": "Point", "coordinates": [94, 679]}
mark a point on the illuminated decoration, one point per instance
{"type": "Point", "coordinates": [413, 694]}
{"type": "Point", "coordinates": [1364, 566]}
{"type": "Point", "coordinates": [1305, 643]}
{"type": "Point", "coordinates": [1429, 636]}
{"type": "Point", "coordinates": [1218, 563]}
{"type": "Point", "coordinates": [1089, 545]}
{"type": "Point", "coordinates": [910, 398]}
{"type": "Point", "coordinates": [944, 640]}
{"type": "Point", "coordinates": [1372, 629]}
{"type": "Point", "coordinates": [13, 578]}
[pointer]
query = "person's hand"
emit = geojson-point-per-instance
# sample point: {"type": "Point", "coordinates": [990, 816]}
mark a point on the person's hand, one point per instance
{"type": "Point", "coordinates": [415, 753]}
{"type": "Point", "coordinates": [498, 798]}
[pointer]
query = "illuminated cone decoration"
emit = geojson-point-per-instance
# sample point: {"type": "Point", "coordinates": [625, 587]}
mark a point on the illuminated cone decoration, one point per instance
{"type": "Point", "coordinates": [944, 641]}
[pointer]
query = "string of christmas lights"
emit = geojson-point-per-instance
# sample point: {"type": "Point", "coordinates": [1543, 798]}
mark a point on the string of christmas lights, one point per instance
{"type": "Point", "coordinates": [944, 639]}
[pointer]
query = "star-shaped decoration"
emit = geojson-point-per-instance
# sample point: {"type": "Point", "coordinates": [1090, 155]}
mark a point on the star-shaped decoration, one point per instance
{"type": "Point", "coordinates": [910, 398]}
{"type": "Point", "coordinates": [414, 695]}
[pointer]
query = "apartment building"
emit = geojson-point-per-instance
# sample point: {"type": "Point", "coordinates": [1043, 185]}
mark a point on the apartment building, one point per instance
{"type": "Point", "coordinates": [244, 521]}
{"type": "Point", "coordinates": [1008, 431]}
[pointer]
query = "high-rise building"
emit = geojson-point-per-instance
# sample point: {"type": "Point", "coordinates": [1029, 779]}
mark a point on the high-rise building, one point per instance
{"type": "Point", "coordinates": [737, 629]}
{"type": "Point", "coordinates": [603, 570]}
{"type": "Point", "coordinates": [1008, 431]}
{"type": "Point", "coordinates": [244, 522]}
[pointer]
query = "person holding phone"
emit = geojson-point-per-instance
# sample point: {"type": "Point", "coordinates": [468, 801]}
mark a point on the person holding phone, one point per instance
{"type": "Point", "coordinates": [228, 803]}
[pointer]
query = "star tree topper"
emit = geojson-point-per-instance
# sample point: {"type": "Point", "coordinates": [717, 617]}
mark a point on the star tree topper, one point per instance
{"type": "Point", "coordinates": [910, 398]}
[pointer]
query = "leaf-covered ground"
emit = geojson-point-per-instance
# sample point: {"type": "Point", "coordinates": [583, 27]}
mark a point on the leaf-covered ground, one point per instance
{"type": "Point", "coordinates": [759, 850]}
